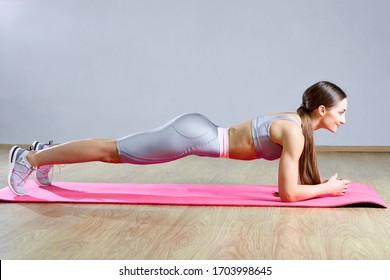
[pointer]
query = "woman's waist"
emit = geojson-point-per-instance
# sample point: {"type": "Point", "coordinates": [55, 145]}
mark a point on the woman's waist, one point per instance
{"type": "Point", "coordinates": [241, 142]}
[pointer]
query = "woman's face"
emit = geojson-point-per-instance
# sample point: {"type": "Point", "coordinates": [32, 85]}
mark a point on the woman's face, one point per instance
{"type": "Point", "coordinates": [334, 117]}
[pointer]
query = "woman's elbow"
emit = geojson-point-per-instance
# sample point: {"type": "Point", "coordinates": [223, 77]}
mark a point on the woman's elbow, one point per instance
{"type": "Point", "coordinates": [288, 197]}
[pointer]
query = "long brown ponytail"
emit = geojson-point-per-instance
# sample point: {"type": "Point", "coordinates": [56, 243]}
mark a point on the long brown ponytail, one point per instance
{"type": "Point", "coordinates": [322, 93]}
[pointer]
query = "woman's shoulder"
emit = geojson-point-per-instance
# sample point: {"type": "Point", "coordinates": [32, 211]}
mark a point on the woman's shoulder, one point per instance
{"type": "Point", "coordinates": [285, 125]}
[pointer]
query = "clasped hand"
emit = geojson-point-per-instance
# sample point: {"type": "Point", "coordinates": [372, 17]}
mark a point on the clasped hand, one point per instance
{"type": "Point", "coordinates": [337, 186]}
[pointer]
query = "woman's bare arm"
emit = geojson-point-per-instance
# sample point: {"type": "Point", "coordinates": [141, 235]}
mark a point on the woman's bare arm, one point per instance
{"type": "Point", "coordinates": [289, 189]}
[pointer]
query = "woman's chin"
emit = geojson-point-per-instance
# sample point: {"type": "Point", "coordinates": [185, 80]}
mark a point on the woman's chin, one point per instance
{"type": "Point", "coordinates": [332, 129]}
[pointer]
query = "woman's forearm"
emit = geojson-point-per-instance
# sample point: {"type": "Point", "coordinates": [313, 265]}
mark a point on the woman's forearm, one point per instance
{"type": "Point", "coordinates": [304, 192]}
{"type": "Point", "coordinates": [333, 186]}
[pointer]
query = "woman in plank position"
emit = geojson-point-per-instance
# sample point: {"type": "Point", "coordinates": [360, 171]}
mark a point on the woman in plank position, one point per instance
{"type": "Point", "coordinates": [284, 136]}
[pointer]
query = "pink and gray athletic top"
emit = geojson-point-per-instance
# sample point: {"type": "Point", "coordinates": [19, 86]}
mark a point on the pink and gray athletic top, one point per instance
{"type": "Point", "coordinates": [264, 146]}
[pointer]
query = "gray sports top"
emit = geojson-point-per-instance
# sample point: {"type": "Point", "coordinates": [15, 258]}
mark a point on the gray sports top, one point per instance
{"type": "Point", "coordinates": [264, 146]}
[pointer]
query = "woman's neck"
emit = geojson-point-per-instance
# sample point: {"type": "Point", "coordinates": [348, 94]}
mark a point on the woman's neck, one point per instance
{"type": "Point", "coordinates": [315, 122]}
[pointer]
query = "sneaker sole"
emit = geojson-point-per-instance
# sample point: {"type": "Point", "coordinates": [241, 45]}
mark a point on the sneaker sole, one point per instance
{"type": "Point", "coordinates": [11, 163]}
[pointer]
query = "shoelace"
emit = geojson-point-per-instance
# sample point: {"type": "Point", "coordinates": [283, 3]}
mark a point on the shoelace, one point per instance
{"type": "Point", "coordinates": [42, 174]}
{"type": "Point", "coordinates": [44, 170]}
{"type": "Point", "coordinates": [23, 174]}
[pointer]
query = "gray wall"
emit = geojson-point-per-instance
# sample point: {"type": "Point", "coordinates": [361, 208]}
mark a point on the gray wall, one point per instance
{"type": "Point", "coordinates": [72, 69]}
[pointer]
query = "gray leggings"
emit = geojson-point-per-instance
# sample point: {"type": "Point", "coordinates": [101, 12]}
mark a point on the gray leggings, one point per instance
{"type": "Point", "coordinates": [189, 134]}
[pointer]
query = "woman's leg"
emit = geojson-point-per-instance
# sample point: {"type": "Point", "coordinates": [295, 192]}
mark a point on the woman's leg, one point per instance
{"type": "Point", "coordinates": [76, 152]}
{"type": "Point", "coordinates": [190, 134]}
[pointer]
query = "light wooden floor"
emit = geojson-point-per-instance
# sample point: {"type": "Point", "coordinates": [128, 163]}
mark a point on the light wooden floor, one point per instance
{"type": "Point", "coordinates": [78, 231]}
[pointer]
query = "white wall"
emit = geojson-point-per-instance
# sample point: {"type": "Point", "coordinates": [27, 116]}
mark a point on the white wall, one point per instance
{"type": "Point", "coordinates": [72, 69]}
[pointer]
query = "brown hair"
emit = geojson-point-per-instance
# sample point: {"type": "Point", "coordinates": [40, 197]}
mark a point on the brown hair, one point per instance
{"type": "Point", "coordinates": [322, 93]}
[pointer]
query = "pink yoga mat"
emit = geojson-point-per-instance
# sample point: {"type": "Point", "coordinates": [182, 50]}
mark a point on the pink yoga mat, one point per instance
{"type": "Point", "coordinates": [182, 194]}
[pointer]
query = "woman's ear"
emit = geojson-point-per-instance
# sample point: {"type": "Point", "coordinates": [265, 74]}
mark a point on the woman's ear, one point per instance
{"type": "Point", "coordinates": [321, 110]}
